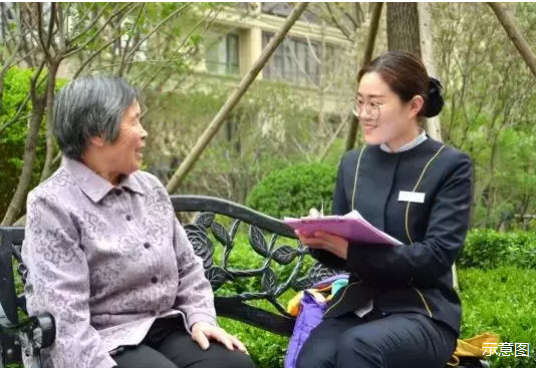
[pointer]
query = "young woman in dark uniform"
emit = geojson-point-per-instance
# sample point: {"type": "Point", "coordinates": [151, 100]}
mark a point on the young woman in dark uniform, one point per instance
{"type": "Point", "coordinates": [399, 309]}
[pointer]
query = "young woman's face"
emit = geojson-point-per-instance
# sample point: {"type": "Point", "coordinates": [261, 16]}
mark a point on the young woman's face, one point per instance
{"type": "Point", "coordinates": [383, 117]}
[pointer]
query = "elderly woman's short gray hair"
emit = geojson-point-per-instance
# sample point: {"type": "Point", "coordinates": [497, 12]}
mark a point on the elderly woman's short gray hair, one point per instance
{"type": "Point", "coordinates": [88, 107]}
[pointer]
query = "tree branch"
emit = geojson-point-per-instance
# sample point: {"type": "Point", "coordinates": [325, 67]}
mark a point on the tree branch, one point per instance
{"type": "Point", "coordinates": [231, 102]}
{"type": "Point", "coordinates": [158, 71]}
{"type": "Point", "coordinates": [17, 114]}
{"type": "Point", "coordinates": [41, 41]}
{"type": "Point", "coordinates": [341, 26]}
{"type": "Point", "coordinates": [132, 29]}
{"type": "Point", "coordinates": [332, 140]}
{"type": "Point", "coordinates": [52, 17]}
{"type": "Point", "coordinates": [37, 39]}
{"type": "Point", "coordinates": [97, 52]}
{"type": "Point", "coordinates": [94, 55]}
{"type": "Point", "coordinates": [61, 24]}
{"type": "Point", "coordinates": [508, 23]}
{"type": "Point", "coordinates": [371, 40]}
{"type": "Point", "coordinates": [347, 15]}
{"type": "Point", "coordinates": [93, 22]}
{"type": "Point", "coordinates": [304, 72]}
{"type": "Point", "coordinates": [29, 153]}
{"type": "Point", "coordinates": [312, 49]}
{"type": "Point", "coordinates": [359, 12]}
{"type": "Point", "coordinates": [373, 31]}
{"type": "Point", "coordinates": [73, 51]}
{"type": "Point", "coordinates": [49, 103]}
{"type": "Point", "coordinates": [303, 150]}
{"type": "Point", "coordinates": [201, 21]}
{"type": "Point", "coordinates": [136, 47]}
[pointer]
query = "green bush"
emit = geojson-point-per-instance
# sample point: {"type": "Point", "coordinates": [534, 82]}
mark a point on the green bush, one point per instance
{"type": "Point", "coordinates": [13, 138]}
{"type": "Point", "coordinates": [17, 87]}
{"type": "Point", "coordinates": [487, 249]}
{"type": "Point", "coordinates": [294, 190]}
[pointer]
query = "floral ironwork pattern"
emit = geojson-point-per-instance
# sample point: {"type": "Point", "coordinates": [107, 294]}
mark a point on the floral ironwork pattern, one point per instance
{"type": "Point", "coordinates": [264, 244]}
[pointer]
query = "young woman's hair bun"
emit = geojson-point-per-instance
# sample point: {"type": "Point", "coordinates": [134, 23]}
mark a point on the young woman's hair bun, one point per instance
{"type": "Point", "coordinates": [434, 102]}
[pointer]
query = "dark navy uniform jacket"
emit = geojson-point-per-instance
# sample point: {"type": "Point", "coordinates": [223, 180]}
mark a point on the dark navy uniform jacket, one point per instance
{"type": "Point", "coordinates": [416, 276]}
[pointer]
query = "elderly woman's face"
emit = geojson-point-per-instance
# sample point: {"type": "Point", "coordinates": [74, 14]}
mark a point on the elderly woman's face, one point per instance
{"type": "Point", "coordinates": [126, 152]}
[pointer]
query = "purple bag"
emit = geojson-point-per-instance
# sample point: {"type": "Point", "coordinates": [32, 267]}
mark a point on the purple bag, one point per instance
{"type": "Point", "coordinates": [309, 317]}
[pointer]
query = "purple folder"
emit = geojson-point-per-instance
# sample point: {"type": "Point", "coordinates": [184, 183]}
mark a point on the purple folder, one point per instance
{"type": "Point", "coordinates": [352, 227]}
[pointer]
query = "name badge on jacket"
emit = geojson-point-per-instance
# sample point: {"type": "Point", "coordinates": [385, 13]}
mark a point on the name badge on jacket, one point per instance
{"type": "Point", "coordinates": [413, 197]}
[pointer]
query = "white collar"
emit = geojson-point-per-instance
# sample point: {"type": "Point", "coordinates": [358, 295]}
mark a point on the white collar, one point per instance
{"type": "Point", "coordinates": [406, 147]}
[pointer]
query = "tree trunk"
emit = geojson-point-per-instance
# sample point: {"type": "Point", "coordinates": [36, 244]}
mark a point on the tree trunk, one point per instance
{"type": "Point", "coordinates": [51, 83]}
{"type": "Point", "coordinates": [373, 31]}
{"type": "Point", "coordinates": [331, 141]}
{"type": "Point", "coordinates": [3, 72]}
{"type": "Point", "coordinates": [403, 27]}
{"type": "Point", "coordinates": [29, 157]}
{"type": "Point", "coordinates": [231, 102]}
{"type": "Point", "coordinates": [409, 29]}
{"type": "Point", "coordinates": [433, 125]}
{"type": "Point", "coordinates": [322, 83]}
{"type": "Point", "coordinates": [352, 133]}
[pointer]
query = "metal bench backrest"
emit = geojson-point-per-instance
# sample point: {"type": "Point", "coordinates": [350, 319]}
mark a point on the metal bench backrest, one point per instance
{"type": "Point", "coordinates": [10, 304]}
{"type": "Point", "coordinates": [265, 235]}
{"type": "Point", "coordinates": [10, 242]}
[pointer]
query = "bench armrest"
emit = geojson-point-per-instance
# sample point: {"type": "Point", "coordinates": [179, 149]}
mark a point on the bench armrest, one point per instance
{"type": "Point", "coordinates": [236, 309]}
{"type": "Point", "coordinates": [24, 341]}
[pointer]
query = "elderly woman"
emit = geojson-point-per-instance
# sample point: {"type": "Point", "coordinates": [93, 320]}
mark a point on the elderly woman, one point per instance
{"type": "Point", "coordinates": [106, 254]}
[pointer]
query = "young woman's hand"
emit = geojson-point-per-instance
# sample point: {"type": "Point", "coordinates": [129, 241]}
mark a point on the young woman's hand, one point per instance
{"type": "Point", "coordinates": [325, 241]}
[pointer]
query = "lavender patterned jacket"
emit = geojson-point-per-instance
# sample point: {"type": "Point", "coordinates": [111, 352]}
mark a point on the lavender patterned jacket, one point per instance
{"type": "Point", "coordinates": [106, 262]}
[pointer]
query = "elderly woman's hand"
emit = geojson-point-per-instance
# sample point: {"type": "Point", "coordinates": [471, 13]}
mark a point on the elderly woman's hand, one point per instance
{"type": "Point", "coordinates": [202, 332]}
{"type": "Point", "coordinates": [325, 241]}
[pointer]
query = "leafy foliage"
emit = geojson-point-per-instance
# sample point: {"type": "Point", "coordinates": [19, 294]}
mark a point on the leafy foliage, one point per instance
{"type": "Point", "coordinates": [294, 190]}
{"type": "Point", "coordinates": [490, 105]}
{"type": "Point", "coordinates": [487, 249]}
{"type": "Point", "coordinates": [12, 139]}
{"type": "Point", "coordinates": [267, 131]}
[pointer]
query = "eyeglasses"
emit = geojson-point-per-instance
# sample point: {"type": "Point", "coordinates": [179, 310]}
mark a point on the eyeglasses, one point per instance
{"type": "Point", "coordinates": [370, 107]}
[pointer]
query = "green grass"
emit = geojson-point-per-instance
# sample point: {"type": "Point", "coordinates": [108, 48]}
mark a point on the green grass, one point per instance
{"type": "Point", "coordinates": [503, 301]}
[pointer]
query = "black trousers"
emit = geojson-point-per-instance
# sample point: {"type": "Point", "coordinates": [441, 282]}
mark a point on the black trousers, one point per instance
{"type": "Point", "coordinates": [168, 345]}
{"type": "Point", "coordinates": [402, 340]}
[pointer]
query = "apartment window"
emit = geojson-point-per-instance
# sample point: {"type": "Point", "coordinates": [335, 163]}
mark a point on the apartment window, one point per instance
{"type": "Point", "coordinates": [296, 61]}
{"type": "Point", "coordinates": [283, 10]}
{"type": "Point", "coordinates": [222, 55]}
